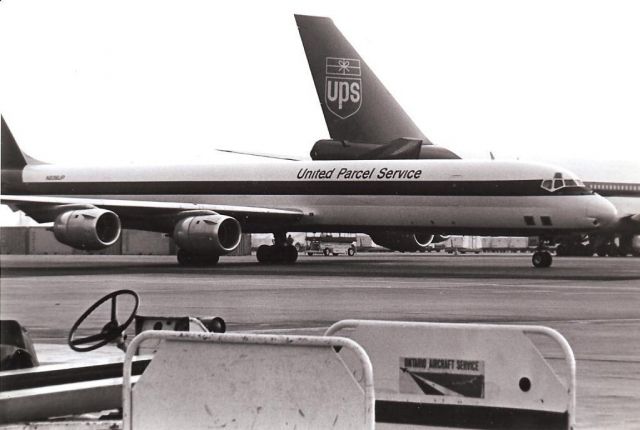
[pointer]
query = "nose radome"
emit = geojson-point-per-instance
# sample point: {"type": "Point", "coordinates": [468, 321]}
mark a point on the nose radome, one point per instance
{"type": "Point", "coordinates": [602, 210]}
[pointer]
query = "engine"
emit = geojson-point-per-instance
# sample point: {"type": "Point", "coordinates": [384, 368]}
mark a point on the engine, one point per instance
{"type": "Point", "coordinates": [88, 229]}
{"type": "Point", "coordinates": [438, 238]}
{"type": "Point", "coordinates": [635, 243]}
{"type": "Point", "coordinates": [208, 234]}
{"type": "Point", "coordinates": [404, 242]}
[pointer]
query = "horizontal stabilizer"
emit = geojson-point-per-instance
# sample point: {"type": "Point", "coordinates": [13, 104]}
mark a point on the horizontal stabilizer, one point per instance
{"type": "Point", "coordinates": [403, 148]}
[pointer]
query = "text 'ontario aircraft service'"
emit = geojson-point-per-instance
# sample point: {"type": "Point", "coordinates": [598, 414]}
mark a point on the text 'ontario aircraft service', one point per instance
{"type": "Point", "coordinates": [402, 193]}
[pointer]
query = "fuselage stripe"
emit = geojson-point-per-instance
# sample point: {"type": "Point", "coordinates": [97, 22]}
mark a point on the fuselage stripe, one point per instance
{"type": "Point", "coordinates": [400, 188]}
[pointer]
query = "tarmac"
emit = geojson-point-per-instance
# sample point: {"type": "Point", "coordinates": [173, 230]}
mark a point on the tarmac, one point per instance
{"type": "Point", "coordinates": [593, 302]}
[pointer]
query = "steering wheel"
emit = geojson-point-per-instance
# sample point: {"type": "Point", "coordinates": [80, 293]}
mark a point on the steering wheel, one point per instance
{"type": "Point", "coordinates": [111, 330]}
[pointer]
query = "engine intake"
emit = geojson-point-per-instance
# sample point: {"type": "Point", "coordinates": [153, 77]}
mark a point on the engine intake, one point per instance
{"type": "Point", "coordinates": [208, 234]}
{"type": "Point", "coordinates": [87, 229]}
{"type": "Point", "coordinates": [405, 242]}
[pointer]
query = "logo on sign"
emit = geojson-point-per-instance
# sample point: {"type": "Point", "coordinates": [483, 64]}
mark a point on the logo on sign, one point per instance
{"type": "Point", "coordinates": [442, 377]}
{"type": "Point", "coordinates": [343, 86]}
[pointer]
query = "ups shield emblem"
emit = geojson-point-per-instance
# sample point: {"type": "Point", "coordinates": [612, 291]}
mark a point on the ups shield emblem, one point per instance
{"type": "Point", "coordinates": [343, 86]}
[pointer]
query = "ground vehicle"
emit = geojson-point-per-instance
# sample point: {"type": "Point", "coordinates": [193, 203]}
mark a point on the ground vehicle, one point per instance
{"type": "Point", "coordinates": [463, 244]}
{"type": "Point", "coordinates": [330, 243]}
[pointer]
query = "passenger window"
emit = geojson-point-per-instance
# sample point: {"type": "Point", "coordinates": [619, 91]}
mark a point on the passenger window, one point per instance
{"type": "Point", "coordinates": [528, 220]}
{"type": "Point", "coordinates": [546, 220]}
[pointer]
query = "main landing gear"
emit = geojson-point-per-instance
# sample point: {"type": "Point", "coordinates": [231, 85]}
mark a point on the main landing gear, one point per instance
{"type": "Point", "coordinates": [542, 257]}
{"type": "Point", "coordinates": [186, 258]}
{"type": "Point", "coordinates": [281, 252]}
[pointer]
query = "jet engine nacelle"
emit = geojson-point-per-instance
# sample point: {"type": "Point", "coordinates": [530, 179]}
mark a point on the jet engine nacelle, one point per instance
{"type": "Point", "coordinates": [88, 229]}
{"type": "Point", "coordinates": [405, 242]}
{"type": "Point", "coordinates": [635, 245]}
{"type": "Point", "coordinates": [439, 238]}
{"type": "Point", "coordinates": [208, 234]}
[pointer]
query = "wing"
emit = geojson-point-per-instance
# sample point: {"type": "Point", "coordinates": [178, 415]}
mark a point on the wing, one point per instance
{"type": "Point", "coordinates": [149, 215]}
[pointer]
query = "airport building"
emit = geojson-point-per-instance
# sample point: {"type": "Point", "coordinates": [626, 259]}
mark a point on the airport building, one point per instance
{"type": "Point", "coordinates": [39, 240]}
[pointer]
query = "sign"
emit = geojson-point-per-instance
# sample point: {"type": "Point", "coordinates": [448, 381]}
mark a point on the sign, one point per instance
{"type": "Point", "coordinates": [442, 377]}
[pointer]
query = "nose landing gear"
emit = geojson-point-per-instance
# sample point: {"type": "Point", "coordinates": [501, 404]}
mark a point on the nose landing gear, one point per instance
{"type": "Point", "coordinates": [542, 257]}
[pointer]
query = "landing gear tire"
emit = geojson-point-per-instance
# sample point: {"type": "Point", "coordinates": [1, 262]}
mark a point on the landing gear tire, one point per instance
{"type": "Point", "coordinates": [290, 254]}
{"type": "Point", "coordinates": [263, 254]}
{"type": "Point", "coordinates": [351, 252]}
{"type": "Point", "coordinates": [189, 259]}
{"type": "Point", "coordinates": [541, 259]}
{"type": "Point", "coordinates": [326, 252]}
{"type": "Point", "coordinates": [612, 250]}
{"type": "Point", "coordinates": [271, 254]}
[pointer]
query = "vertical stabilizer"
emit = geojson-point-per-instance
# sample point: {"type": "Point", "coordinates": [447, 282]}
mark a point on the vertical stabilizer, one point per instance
{"type": "Point", "coordinates": [355, 104]}
{"type": "Point", "coordinates": [12, 157]}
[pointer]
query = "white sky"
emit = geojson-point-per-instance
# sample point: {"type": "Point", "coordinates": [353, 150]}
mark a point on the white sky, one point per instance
{"type": "Point", "coordinates": [167, 82]}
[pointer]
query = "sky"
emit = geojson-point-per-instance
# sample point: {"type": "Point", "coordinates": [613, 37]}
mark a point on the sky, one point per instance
{"type": "Point", "coordinates": [156, 82]}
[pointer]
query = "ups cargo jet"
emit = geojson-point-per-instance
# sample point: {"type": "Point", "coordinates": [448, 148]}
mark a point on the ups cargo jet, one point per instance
{"type": "Point", "coordinates": [365, 122]}
{"type": "Point", "coordinates": [206, 207]}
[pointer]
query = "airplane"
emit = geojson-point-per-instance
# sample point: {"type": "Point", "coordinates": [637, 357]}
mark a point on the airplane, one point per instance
{"type": "Point", "coordinates": [205, 208]}
{"type": "Point", "coordinates": [375, 126]}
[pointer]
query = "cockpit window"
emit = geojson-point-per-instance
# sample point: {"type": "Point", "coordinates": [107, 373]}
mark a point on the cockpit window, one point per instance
{"type": "Point", "coordinates": [560, 183]}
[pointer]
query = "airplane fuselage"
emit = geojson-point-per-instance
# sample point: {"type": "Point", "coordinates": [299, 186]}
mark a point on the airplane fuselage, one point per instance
{"type": "Point", "coordinates": [455, 197]}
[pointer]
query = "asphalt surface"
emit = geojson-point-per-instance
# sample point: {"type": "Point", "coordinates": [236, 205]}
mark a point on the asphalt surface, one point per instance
{"type": "Point", "coordinates": [593, 302]}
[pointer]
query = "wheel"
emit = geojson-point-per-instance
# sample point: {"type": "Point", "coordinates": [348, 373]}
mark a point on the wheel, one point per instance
{"type": "Point", "coordinates": [186, 258]}
{"type": "Point", "coordinates": [309, 254]}
{"type": "Point", "coordinates": [111, 330]}
{"type": "Point", "coordinates": [290, 254]}
{"type": "Point", "coordinates": [587, 250]}
{"type": "Point", "coordinates": [601, 251]}
{"type": "Point", "coordinates": [207, 260]}
{"type": "Point", "coordinates": [326, 252]}
{"type": "Point", "coordinates": [541, 259]}
{"type": "Point", "coordinates": [351, 252]}
{"type": "Point", "coordinates": [612, 250]}
{"type": "Point", "coordinates": [547, 259]}
{"type": "Point", "coordinates": [264, 254]}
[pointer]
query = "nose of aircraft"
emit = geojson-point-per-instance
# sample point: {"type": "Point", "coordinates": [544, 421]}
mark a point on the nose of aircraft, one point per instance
{"type": "Point", "coordinates": [602, 211]}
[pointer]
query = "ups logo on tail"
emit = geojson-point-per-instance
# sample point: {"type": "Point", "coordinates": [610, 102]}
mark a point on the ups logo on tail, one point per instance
{"type": "Point", "coordinates": [343, 86]}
